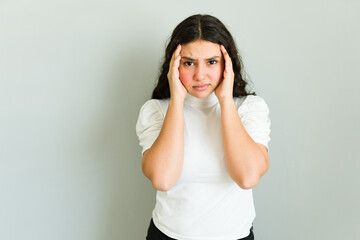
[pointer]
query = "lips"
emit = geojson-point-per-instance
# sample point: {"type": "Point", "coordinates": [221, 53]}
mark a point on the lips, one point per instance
{"type": "Point", "coordinates": [201, 87]}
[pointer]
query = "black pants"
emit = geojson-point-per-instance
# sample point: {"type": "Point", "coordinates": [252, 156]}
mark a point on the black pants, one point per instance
{"type": "Point", "coordinates": [155, 234]}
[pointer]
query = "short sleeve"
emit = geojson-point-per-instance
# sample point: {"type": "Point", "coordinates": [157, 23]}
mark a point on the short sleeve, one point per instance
{"type": "Point", "coordinates": [149, 123]}
{"type": "Point", "coordinates": [254, 114]}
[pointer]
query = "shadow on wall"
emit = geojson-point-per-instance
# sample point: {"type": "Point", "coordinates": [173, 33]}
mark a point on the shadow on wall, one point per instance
{"type": "Point", "coordinates": [131, 197]}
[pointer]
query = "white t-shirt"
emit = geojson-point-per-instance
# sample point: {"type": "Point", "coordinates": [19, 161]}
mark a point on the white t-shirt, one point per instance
{"type": "Point", "coordinates": [205, 203]}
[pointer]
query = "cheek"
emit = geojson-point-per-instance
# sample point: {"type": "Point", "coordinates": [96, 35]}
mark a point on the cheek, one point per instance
{"type": "Point", "coordinates": [185, 76]}
{"type": "Point", "coordinates": [216, 75]}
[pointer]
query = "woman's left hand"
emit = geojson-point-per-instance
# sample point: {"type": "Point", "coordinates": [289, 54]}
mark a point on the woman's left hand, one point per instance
{"type": "Point", "coordinates": [225, 87]}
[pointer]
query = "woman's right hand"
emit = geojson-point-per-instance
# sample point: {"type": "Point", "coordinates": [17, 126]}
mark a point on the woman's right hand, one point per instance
{"type": "Point", "coordinates": [177, 89]}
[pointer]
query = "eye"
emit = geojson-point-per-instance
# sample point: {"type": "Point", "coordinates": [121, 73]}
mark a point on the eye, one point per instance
{"type": "Point", "coordinates": [188, 64]}
{"type": "Point", "coordinates": [212, 62]}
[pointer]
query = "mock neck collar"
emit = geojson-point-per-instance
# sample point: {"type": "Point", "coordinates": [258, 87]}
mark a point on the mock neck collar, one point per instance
{"type": "Point", "coordinates": [208, 101]}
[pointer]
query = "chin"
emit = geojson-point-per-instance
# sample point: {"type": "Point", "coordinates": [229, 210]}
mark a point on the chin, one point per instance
{"type": "Point", "coordinates": [201, 94]}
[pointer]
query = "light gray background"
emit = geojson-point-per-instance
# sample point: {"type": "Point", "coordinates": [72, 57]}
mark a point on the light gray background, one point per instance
{"type": "Point", "coordinates": [74, 75]}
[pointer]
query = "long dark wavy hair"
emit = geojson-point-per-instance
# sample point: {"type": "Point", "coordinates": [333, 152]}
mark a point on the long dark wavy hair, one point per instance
{"type": "Point", "coordinates": [201, 27]}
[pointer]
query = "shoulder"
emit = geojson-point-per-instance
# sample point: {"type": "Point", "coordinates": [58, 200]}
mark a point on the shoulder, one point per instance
{"type": "Point", "coordinates": [149, 104]}
{"type": "Point", "coordinates": [151, 113]}
{"type": "Point", "coordinates": [254, 114]}
{"type": "Point", "coordinates": [153, 106]}
{"type": "Point", "coordinates": [251, 103]}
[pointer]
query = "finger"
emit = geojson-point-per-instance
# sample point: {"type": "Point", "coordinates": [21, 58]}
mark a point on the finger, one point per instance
{"type": "Point", "coordinates": [176, 52]}
{"type": "Point", "coordinates": [177, 56]}
{"type": "Point", "coordinates": [228, 62]}
{"type": "Point", "coordinates": [178, 49]}
{"type": "Point", "coordinates": [175, 63]}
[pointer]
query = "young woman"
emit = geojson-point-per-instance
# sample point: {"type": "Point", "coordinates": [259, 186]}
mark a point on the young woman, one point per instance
{"type": "Point", "coordinates": [204, 137]}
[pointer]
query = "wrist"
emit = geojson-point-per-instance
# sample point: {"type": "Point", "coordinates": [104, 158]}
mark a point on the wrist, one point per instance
{"type": "Point", "coordinates": [176, 101]}
{"type": "Point", "coordinates": [226, 101]}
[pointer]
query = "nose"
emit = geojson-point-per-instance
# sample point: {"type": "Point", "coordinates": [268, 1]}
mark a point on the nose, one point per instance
{"type": "Point", "coordinates": [199, 72]}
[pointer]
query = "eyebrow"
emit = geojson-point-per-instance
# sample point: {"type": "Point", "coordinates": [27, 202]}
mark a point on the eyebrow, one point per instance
{"type": "Point", "coordinates": [192, 59]}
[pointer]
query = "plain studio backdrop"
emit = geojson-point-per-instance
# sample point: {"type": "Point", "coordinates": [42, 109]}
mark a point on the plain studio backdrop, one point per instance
{"type": "Point", "coordinates": [74, 74]}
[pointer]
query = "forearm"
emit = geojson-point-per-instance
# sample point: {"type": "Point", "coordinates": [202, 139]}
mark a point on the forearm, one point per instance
{"type": "Point", "coordinates": [162, 163]}
{"type": "Point", "coordinates": [246, 162]}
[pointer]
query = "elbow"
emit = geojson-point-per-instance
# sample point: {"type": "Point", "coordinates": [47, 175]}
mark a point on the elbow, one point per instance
{"type": "Point", "coordinates": [248, 182]}
{"type": "Point", "coordinates": [251, 180]}
{"type": "Point", "coordinates": [161, 185]}
{"type": "Point", "coordinates": [162, 178]}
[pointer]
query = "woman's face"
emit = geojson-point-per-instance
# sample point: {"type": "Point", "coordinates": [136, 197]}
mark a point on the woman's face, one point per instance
{"type": "Point", "coordinates": [201, 67]}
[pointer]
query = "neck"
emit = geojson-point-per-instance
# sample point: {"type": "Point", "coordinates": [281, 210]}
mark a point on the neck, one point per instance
{"type": "Point", "coordinates": [201, 102]}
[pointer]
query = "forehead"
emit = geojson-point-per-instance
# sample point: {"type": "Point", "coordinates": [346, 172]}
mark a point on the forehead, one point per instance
{"type": "Point", "coordinates": [200, 49]}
